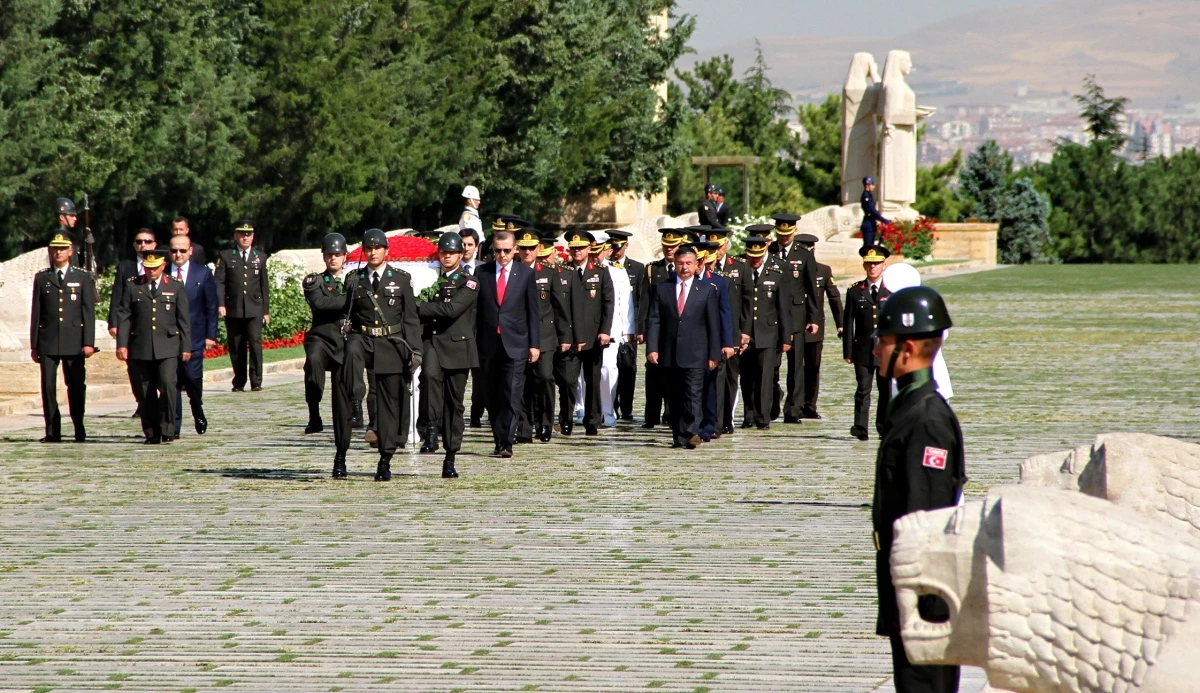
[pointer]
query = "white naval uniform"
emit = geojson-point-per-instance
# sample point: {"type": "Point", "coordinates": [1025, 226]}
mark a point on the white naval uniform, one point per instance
{"type": "Point", "coordinates": [470, 220]}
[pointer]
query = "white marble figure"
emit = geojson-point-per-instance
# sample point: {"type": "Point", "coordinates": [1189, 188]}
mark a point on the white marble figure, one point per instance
{"type": "Point", "coordinates": [860, 126]}
{"type": "Point", "coordinates": [898, 158]}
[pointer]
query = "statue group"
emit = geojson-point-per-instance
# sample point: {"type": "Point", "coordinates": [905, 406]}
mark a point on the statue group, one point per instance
{"type": "Point", "coordinates": [879, 133]}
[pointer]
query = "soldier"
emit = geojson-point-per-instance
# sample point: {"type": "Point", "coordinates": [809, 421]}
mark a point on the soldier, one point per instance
{"type": "Point", "coordinates": [554, 301]}
{"type": "Point", "coordinates": [800, 273]}
{"type": "Point", "coordinates": [382, 331]}
{"type": "Point", "coordinates": [154, 333]}
{"type": "Point", "coordinates": [658, 271]}
{"type": "Point", "coordinates": [863, 301]}
{"type": "Point", "coordinates": [708, 208]}
{"type": "Point", "coordinates": [712, 404]}
{"type": "Point", "coordinates": [920, 464]}
{"type": "Point", "coordinates": [871, 215]}
{"type": "Point", "coordinates": [470, 216]}
{"type": "Point", "coordinates": [627, 349]}
{"type": "Point", "coordinates": [244, 300]}
{"type": "Point", "coordinates": [766, 326]}
{"type": "Point", "coordinates": [732, 269]}
{"type": "Point", "coordinates": [814, 343]}
{"type": "Point", "coordinates": [591, 313]}
{"type": "Point", "coordinates": [66, 217]}
{"type": "Point", "coordinates": [62, 333]}
{"type": "Point", "coordinates": [323, 343]}
{"type": "Point", "coordinates": [449, 349]}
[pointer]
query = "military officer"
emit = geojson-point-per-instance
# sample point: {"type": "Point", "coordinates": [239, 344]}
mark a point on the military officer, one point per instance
{"type": "Point", "coordinates": [591, 314]}
{"type": "Point", "coordinates": [658, 271]}
{"type": "Point", "coordinates": [154, 333]}
{"type": "Point", "coordinates": [62, 333]}
{"type": "Point", "coordinates": [814, 342]}
{"type": "Point", "coordinates": [920, 464]}
{"type": "Point", "coordinates": [384, 336]}
{"type": "Point", "coordinates": [863, 301]}
{"type": "Point", "coordinates": [244, 300]}
{"type": "Point", "coordinates": [554, 309]}
{"type": "Point", "coordinates": [712, 403]}
{"type": "Point", "coordinates": [732, 268]}
{"type": "Point", "coordinates": [766, 325]}
{"type": "Point", "coordinates": [323, 342]}
{"type": "Point", "coordinates": [871, 216]}
{"type": "Point", "coordinates": [449, 349]}
{"type": "Point", "coordinates": [627, 354]}
{"type": "Point", "coordinates": [800, 273]}
{"type": "Point", "coordinates": [469, 219]}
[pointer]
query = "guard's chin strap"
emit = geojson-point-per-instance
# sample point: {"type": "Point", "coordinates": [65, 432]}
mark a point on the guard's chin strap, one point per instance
{"type": "Point", "coordinates": [895, 357]}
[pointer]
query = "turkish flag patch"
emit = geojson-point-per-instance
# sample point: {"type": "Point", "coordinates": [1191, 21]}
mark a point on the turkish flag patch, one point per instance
{"type": "Point", "coordinates": [935, 458]}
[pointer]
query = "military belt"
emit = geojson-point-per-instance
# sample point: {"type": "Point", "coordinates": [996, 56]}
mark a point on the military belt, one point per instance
{"type": "Point", "coordinates": [379, 331]}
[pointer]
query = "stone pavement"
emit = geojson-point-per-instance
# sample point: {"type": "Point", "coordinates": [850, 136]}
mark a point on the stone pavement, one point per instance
{"type": "Point", "coordinates": [587, 564]}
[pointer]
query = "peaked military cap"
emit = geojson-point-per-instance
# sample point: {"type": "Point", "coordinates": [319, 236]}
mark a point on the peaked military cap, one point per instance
{"type": "Point", "coordinates": [875, 253]}
{"type": "Point", "coordinates": [807, 239]}
{"type": "Point", "coordinates": [618, 237]}
{"type": "Point", "coordinates": [579, 239]}
{"type": "Point", "coordinates": [528, 238]}
{"type": "Point", "coordinates": [756, 246]}
{"type": "Point", "coordinates": [785, 224]}
{"type": "Point", "coordinates": [154, 258]}
{"type": "Point", "coordinates": [62, 239]}
{"type": "Point", "coordinates": [672, 237]}
{"type": "Point", "coordinates": [509, 222]}
{"type": "Point", "coordinates": [244, 226]}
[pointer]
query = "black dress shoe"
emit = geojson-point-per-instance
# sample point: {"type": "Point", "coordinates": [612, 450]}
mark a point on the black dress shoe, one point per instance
{"type": "Point", "coordinates": [153, 441]}
{"type": "Point", "coordinates": [339, 465]}
{"type": "Point", "coordinates": [566, 429]}
{"type": "Point", "coordinates": [496, 450]}
{"type": "Point", "coordinates": [476, 423]}
{"type": "Point", "coordinates": [764, 427]}
{"type": "Point", "coordinates": [256, 388]}
{"type": "Point", "coordinates": [791, 419]}
{"type": "Point", "coordinates": [676, 443]}
{"type": "Point", "coordinates": [383, 470]}
{"type": "Point", "coordinates": [648, 425]}
{"type": "Point", "coordinates": [356, 417]}
{"type": "Point", "coordinates": [707, 439]}
{"type": "Point", "coordinates": [137, 413]}
{"type": "Point", "coordinates": [448, 470]}
{"type": "Point", "coordinates": [590, 431]}
{"type": "Point", "coordinates": [238, 389]}
{"type": "Point", "coordinates": [200, 421]}
{"type": "Point", "coordinates": [859, 432]}
{"type": "Point", "coordinates": [747, 424]}
{"type": "Point", "coordinates": [50, 439]}
{"type": "Point", "coordinates": [544, 435]}
{"type": "Point", "coordinates": [523, 439]}
{"type": "Point", "coordinates": [167, 439]}
{"type": "Point", "coordinates": [727, 431]}
{"type": "Point", "coordinates": [80, 437]}
{"type": "Point", "coordinates": [314, 427]}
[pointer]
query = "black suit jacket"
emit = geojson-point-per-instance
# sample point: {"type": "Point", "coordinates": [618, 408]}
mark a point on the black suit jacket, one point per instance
{"type": "Point", "coordinates": [859, 322]}
{"type": "Point", "coordinates": [63, 319]}
{"type": "Point", "coordinates": [690, 340]}
{"type": "Point", "coordinates": [242, 288]}
{"type": "Point", "coordinates": [126, 270]}
{"type": "Point", "coordinates": [516, 325]}
{"type": "Point", "coordinates": [154, 325]}
{"type": "Point", "coordinates": [826, 288]}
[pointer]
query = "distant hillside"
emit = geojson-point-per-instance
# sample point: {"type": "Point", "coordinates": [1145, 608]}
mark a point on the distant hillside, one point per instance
{"type": "Point", "coordinates": [1146, 51]}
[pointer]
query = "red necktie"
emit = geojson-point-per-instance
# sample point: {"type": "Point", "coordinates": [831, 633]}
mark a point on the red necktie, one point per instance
{"type": "Point", "coordinates": [682, 296]}
{"type": "Point", "coordinates": [501, 287]}
{"type": "Point", "coordinates": [179, 274]}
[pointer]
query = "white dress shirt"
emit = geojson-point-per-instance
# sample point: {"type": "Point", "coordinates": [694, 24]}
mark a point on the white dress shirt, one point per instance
{"type": "Point", "coordinates": [687, 290]}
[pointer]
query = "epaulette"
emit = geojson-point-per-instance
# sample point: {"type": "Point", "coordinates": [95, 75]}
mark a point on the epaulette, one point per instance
{"type": "Point", "coordinates": [44, 269]}
{"type": "Point", "coordinates": [311, 279]}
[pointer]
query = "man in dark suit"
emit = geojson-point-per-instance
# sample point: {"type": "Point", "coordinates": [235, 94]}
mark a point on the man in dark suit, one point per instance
{"type": "Point", "coordinates": [508, 329]}
{"type": "Point", "coordinates": [766, 326]}
{"type": "Point", "coordinates": [591, 292]}
{"type": "Point", "coordinates": [62, 334]}
{"type": "Point", "coordinates": [244, 300]}
{"type": "Point", "coordinates": [181, 227]}
{"type": "Point", "coordinates": [799, 269]}
{"type": "Point", "coordinates": [627, 354]}
{"type": "Point", "coordinates": [863, 302]}
{"type": "Point", "coordinates": [127, 269]}
{"type": "Point", "coordinates": [201, 289]}
{"type": "Point", "coordinates": [814, 343]}
{"type": "Point", "coordinates": [684, 337]}
{"type": "Point", "coordinates": [871, 216]}
{"type": "Point", "coordinates": [154, 332]}
{"type": "Point", "coordinates": [554, 307]}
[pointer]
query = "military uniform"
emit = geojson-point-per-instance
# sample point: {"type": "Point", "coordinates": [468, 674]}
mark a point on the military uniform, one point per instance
{"type": "Point", "coordinates": [448, 354]}
{"type": "Point", "coordinates": [627, 357]}
{"type": "Point", "coordinates": [814, 344]}
{"type": "Point", "coordinates": [154, 324]}
{"type": "Point", "coordinates": [323, 343]}
{"type": "Point", "coordinates": [871, 219]}
{"type": "Point", "coordinates": [61, 323]}
{"type": "Point", "coordinates": [733, 269]}
{"type": "Point", "coordinates": [766, 318]}
{"type": "Point", "coordinates": [243, 291]}
{"type": "Point", "coordinates": [554, 309]}
{"type": "Point", "coordinates": [920, 466]}
{"type": "Point", "coordinates": [863, 301]}
{"type": "Point", "coordinates": [591, 292]}
{"type": "Point", "coordinates": [799, 267]}
{"type": "Point", "coordinates": [384, 337]}
{"type": "Point", "coordinates": [658, 271]}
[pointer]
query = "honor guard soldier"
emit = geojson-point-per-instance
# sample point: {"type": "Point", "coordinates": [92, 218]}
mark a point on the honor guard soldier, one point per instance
{"type": "Point", "coordinates": [154, 333]}
{"type": "Point", "coordinates": [591, 316]}
{"type": "Point", "coordinates": [919, 466]}
{"type": "Point", "coordinates": [384, 335]}
{"type": "Point", "coordinates": [62, 333]}
{"type": "Point", "coordinates": [814, 342]}
{"type": "Point", "coordinates": [323, 343]}
{"type": "Point", "coordinates": [469, 219]}
{"type": "Point", "coordinates": [766, 326]}
{"type": "Point", "coordinates": [449, 349]}
{"type": "Point", "coordinates": [627, 349]}
{"type": "Point", "coordinates": [863, 301]}
{"type": "Point", "coordinates": [554, 307]}
{"type": "Point", "coordinates": [799, 268]}
{"type": "Point", "coordinates": [244, 300]}
{"type": "Point", "coordinates": [656, 272]}
{"type": "Point", "coordinates": [732, 268]}
{"type": "Point", "coordinates": [871, 216]}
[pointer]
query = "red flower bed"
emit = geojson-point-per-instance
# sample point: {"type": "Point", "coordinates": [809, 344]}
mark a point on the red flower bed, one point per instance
{"type": "Point", "coordinates": [912, 239]}
{"type": "Point", "coordinates": [282, 343]}
{"type": "Point", "coordinates": [402, 249]}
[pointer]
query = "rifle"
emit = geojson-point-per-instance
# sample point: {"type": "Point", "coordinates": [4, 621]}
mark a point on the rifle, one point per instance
{"type": "Point", "coordinates": [89, 247]}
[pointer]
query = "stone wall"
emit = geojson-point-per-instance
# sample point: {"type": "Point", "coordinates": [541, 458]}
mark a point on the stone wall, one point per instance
{"type": "Point", "coordinates": [975, 242]}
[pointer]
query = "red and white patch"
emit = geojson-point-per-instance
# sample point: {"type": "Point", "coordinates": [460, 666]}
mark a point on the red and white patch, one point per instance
{"type": "Point", "coordinates": [935, 458]}
{"type": "Point", "coordinates": [471, 284]}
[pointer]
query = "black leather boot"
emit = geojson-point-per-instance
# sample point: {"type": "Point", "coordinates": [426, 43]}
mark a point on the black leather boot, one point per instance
{"type": "Point", "coordinates": [448, 470]}
{"type": "Point", "coordinates": [339, 465]}
{"type": "Point", "coordinates": [383, 470]}
{"type": "Point", "coordinates": [431, 442]}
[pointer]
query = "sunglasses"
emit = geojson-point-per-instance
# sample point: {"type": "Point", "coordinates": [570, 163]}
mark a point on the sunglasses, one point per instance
{"type": "Point", "coordinates": [142, 241]}
{"type": "Point", "coordinates": [177, 251]}
{"type": "Point", "coordinates": [506, 251]}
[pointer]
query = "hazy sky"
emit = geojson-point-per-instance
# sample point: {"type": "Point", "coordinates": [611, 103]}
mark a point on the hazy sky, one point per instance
{"type": "Point", "coordinates": [720, 22]}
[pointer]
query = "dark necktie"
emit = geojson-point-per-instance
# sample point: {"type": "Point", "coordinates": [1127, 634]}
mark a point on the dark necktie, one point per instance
{"type": "Point", "coordinates": [246, 257]}
{"type": "Point", "coordinates": [581, 271]}
{"type": "Point", "coordinates": [756, 277]}
{"type": "Point", "coordinates": [874, 294]}
{"type": "Point", "coordinates": [60, 277]}
{"type": "Point", "coordinates": [154, 289]}
{"type": "Point", "coordinates": [375, 282]}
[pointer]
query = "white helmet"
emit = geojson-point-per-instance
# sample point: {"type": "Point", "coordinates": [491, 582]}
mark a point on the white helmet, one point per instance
{"type": "Point", "coordinates": [471, 193]}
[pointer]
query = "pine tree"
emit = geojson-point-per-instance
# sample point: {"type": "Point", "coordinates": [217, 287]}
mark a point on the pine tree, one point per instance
{"type": "Point", "coordinates": [1024, 235]}
{"type": "Point", "coordinates": [983, 180]}
{"type": "Point", "coordinates": [1101, 114]}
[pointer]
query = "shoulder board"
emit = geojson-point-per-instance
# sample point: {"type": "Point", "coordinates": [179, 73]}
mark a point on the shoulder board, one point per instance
{"type": "Point", "coordinates": [46, 269]}
{"type": "Point", "coordinates": [312, 279]}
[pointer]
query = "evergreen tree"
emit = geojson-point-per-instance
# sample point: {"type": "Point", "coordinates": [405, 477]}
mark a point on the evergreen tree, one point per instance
{"type": "Point", "coordinates": [983, 180]}
{"type": "Point", "coordinates": [820, 169]}
{"type": "Point", "coordinates": [1102, 115]}
{"type": "Point", "coordinates": [1024, 235]}
{"type": "Point", "coordinates": [936, 198]}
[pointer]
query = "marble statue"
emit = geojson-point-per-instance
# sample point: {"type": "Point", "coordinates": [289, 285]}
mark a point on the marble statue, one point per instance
{"type": "Point", "coordinates": [860, 126]}
{"type": "Point", "coordinates": [1052, 592]}
{"type": "Point", "coordinates": [898, 156]}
